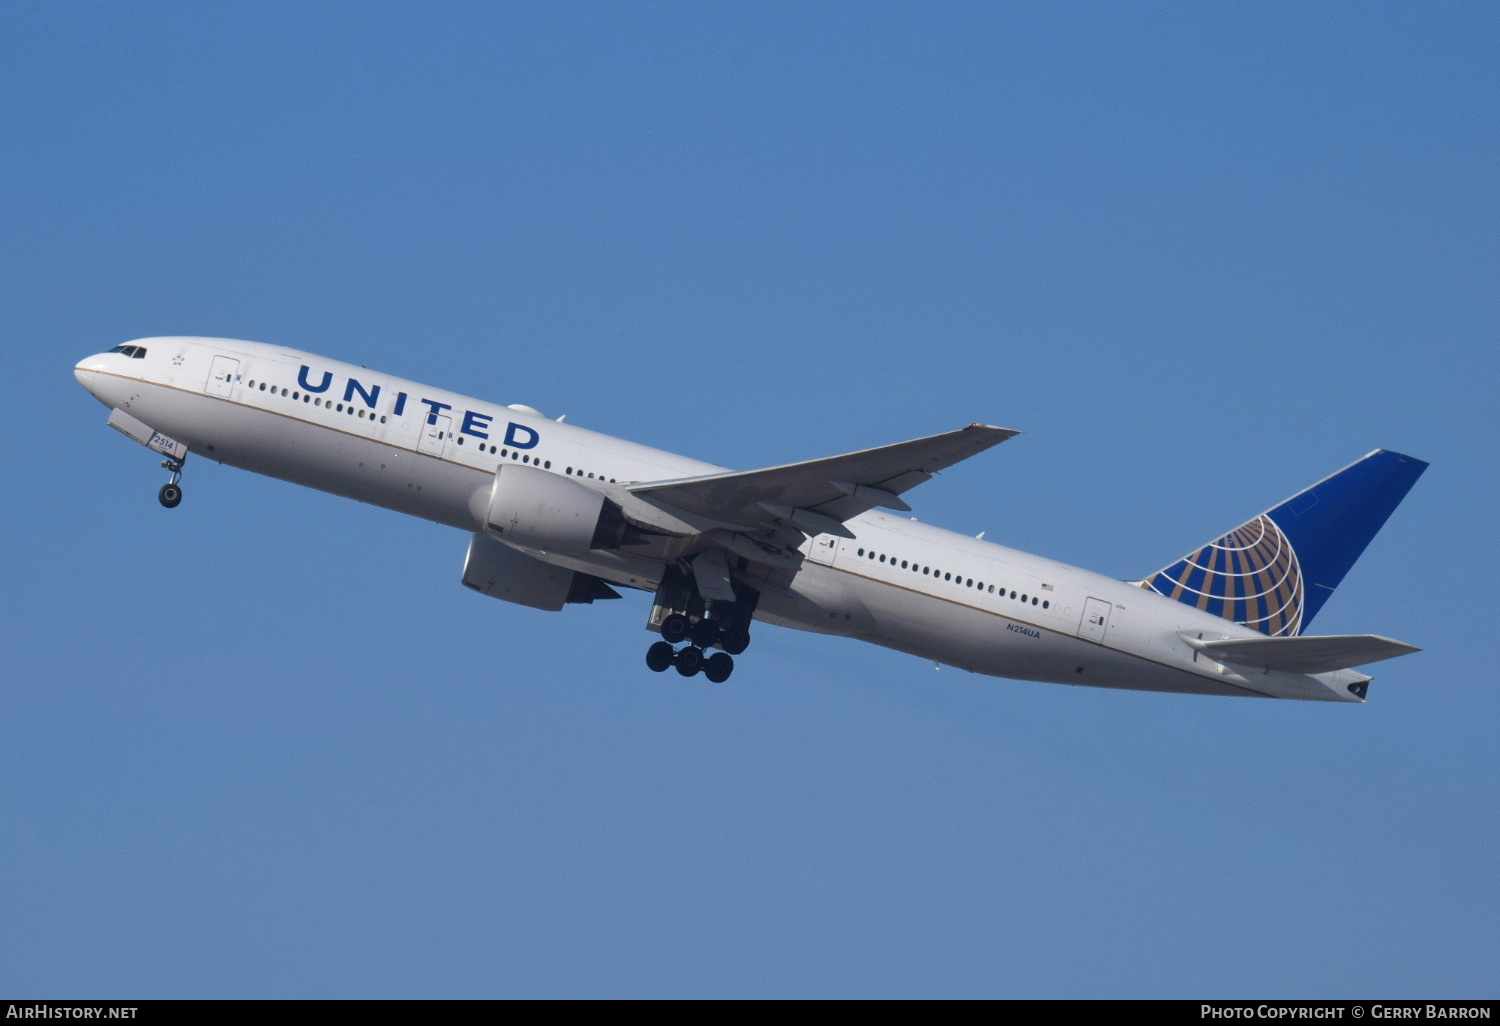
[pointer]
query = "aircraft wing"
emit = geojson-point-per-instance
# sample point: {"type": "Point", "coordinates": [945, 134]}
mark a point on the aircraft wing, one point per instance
{"type": "Point", "coordinates": [817, 496]}
{"type": "Point", "coordinates": [1305, 654]}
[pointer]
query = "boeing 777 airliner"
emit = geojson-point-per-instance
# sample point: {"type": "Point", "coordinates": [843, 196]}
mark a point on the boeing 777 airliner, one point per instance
{"type": "Point", "coordinates": [558, 514]}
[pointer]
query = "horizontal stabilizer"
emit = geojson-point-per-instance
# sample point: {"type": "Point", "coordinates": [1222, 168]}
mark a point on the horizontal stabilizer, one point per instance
{"type": "Point", "coordinates": [1307, 654]}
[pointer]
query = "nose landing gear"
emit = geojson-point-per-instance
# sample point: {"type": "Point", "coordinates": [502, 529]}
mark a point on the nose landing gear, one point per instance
{"type": "Point", "coordinates": [171, 492]}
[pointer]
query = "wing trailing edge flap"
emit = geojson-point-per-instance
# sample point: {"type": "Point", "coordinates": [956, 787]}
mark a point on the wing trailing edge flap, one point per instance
{"type": "Point", "coordinates": [817, 496]}
{"type": "Point", "coordinates": [1304, 654]}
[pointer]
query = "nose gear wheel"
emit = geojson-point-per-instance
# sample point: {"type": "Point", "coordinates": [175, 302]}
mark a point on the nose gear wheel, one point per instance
{"type": "Point", "coordinates": [170, 493]}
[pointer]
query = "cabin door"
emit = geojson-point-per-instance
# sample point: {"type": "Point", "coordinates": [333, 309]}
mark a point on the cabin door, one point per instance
{"type": "Point", "coordinates": [822, 548]}
{"type": "Point", "coordinates": [1095, 620]}
{"type": "Point", "coordinates": [434, 435]}
{"type": "Point", "coordinates": [221, 376]}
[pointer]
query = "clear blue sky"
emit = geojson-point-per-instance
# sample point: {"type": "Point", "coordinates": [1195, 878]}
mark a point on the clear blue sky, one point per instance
{"type": "Point", "coordinates": [266, 745]}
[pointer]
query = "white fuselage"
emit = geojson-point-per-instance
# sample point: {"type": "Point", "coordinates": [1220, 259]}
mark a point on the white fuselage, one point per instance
{"type": "Point", "coordinates": [906, 585]}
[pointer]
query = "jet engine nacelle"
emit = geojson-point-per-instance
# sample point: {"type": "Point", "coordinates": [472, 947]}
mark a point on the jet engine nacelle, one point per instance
{"type": "Point", "coordinates": [499, 571]}
{"type": "Point", "coordinates": [533, 509]}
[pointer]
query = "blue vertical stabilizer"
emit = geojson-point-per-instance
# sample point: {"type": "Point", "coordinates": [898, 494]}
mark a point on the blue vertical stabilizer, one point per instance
{"type": "Point", "coordinates": [1274, 573]}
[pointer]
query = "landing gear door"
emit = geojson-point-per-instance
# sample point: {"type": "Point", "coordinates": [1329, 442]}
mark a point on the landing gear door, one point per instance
{"type": "Point", "coordinates": [434, 435]}
{"type": "Point", "coordinates": [221, 376]}
{"type": "Point", "coordinates": [822, 548]}
{"type": "Point", "coordinates": [1095, 620]}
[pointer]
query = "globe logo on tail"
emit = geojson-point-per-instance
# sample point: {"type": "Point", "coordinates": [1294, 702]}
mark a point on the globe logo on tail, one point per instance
{"type": "Point", "coordinates": [1250, 576]}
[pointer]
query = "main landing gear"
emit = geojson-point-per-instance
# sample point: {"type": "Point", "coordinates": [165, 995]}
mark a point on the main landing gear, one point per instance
{"type": "Point", "coordinates": [681, 614]}
{"type": "Point", "coordinates": [690, 660]}
{"type": "Point", "coordinates": [171, 492]}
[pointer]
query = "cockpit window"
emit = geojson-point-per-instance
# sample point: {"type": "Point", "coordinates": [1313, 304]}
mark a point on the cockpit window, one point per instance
{"type": "Point", "coordinates": [134, 352]}
{"type": "Point", "coordinates": [119, 349]}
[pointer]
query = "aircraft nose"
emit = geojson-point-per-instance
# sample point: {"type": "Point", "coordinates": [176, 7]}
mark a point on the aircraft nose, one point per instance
{"type": "Point", "coordinates": [85, 375]}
